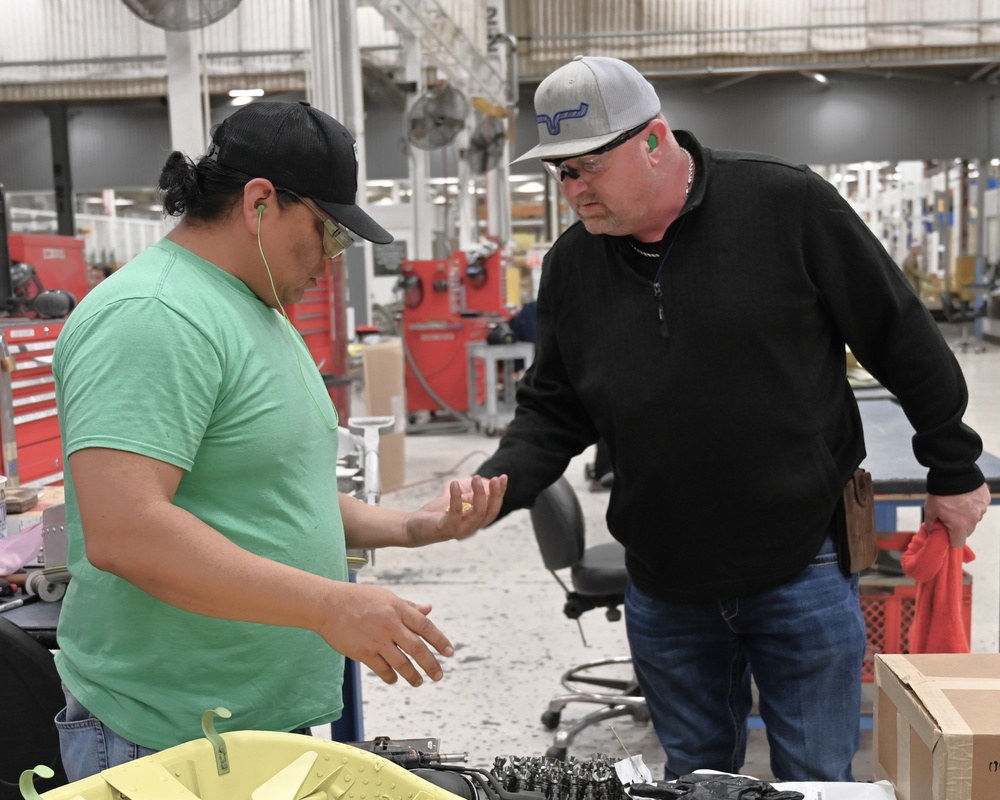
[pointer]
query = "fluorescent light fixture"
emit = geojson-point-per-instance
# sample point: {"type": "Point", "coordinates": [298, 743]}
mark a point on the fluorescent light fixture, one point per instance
{"type": "Point", "coordinates": [124, 201]}
{"type": "Point", "coordinates": [246, 92]}
{"type": "Point", "coordinates": [531, 187]}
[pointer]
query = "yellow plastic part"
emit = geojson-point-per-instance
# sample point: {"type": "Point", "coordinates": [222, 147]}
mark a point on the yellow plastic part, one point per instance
{"type": "Point", "coordinates": [262, 766]}
{"type": "Point", "coordinates": [285, 785]}
{"type": "Point", "coordinates": [219, 746]}
{"type": "Point", "coordinates": [27, 782]}
{"type": "Point", "coordinates": [146, 780]}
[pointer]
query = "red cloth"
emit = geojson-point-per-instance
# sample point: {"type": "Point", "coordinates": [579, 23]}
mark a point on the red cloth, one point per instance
{"type": "Point", "coordinates": [936, 566]}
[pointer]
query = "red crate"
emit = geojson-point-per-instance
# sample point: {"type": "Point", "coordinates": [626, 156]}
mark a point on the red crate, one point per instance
{"type": "Point", "coordinates": [889, 605]}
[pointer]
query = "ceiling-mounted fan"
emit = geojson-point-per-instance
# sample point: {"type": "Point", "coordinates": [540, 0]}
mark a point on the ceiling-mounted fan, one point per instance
{"type": "Point", "coordinates": [437, 117]}
{"type": "Point", "coordinates": [181, 15]}
{"type": "Point", "coordinates": [486, 145]}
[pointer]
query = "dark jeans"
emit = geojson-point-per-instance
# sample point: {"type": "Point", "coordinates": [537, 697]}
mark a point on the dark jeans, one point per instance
{"type": "Point", "coordinates": [803, 643]}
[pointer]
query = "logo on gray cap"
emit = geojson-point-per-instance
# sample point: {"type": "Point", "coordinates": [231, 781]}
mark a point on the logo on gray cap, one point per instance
{"type": "Point", "coordinates": [554, 122]}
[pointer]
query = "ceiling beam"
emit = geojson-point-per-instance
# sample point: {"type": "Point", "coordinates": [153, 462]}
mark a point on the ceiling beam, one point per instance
{"type": "Point", "coordinates": [447, 47]}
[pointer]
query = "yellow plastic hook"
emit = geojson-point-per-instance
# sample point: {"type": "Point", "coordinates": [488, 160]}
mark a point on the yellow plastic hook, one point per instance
{"type": "Point", "coordinates": [27, 782]}
{"type": "Point", "coordinates": [218, 745]}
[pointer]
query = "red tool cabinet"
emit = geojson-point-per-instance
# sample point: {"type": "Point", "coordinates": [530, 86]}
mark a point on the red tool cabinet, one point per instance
{"type": "Point", "coordinates": [29, 425]}
{"type": "Point", "coordinates": [321, 317]}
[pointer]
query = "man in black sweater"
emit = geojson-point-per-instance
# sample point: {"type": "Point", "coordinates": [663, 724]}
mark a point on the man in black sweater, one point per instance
{"type": "Point", "coordinates": [695, 320]}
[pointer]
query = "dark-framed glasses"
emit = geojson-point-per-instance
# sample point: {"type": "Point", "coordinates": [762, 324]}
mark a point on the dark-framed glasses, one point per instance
{"type": "Point", "coordinates": [336, 238]}
{"type": "Point", "coordinates": [592, 163]}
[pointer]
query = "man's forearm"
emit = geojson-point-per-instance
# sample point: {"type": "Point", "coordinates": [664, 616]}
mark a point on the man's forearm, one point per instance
{"type": "Point", "coordinates": [175, 557]}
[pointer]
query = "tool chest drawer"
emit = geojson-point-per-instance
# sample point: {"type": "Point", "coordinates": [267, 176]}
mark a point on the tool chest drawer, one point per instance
{"type": "Point", "coordinates": [29, 431]}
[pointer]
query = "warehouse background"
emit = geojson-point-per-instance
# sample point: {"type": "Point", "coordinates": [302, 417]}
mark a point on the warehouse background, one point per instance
{"type": "Point", "coordinates": [92, 99]}
{"type": "Point", "coordinates": [853, 118]}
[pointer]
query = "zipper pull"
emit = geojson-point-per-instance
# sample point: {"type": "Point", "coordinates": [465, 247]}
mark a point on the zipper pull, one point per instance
{"type": "Point", "coordinates": [660, 314]}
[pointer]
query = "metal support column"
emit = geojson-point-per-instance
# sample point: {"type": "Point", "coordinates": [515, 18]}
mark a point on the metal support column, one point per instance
{"type": "Point", "coordinates": [184, 105]}
{"type": "Point", "coordinates": [423, 235]}
{"type": "Point", "coordinates": [5, 287]}
{"type": "Point", "coordinates": [336, 88]}
{"type": "Point", "coordinates": [62, 172]}
{"type": "Point", "coordinates": [324, 90]}
{"type": "Point", "coordinates": [468, 227]}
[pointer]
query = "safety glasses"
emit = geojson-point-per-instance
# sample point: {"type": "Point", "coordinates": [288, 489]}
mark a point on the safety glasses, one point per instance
{"type": "Point", "coordinates": [336, 238]}
{"type": "Point", "coordinates": [592, 163]}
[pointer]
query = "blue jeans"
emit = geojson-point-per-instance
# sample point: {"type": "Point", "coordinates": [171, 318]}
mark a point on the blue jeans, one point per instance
{"type": "Point", "coordinates": [87, 745]}
{"type": "Point", "coordinates": [804, 644]}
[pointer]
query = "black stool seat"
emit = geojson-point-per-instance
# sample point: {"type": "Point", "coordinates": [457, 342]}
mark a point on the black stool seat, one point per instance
{"type": "Point", "coordinates": [601, 570]}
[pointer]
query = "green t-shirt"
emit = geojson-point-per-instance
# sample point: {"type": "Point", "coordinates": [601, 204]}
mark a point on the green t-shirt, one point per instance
{"type": "Point", "coordinates": [175, 359]}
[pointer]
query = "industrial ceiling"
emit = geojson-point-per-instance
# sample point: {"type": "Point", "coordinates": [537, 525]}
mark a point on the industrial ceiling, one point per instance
{"type": "Point", "coordinates": [96, 49]}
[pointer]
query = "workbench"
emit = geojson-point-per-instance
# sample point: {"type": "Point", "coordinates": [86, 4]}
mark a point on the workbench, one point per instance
{"type": "Point", "coordinates": [898, 478]}
{"type": "Point", "coordinates": [39, 618]}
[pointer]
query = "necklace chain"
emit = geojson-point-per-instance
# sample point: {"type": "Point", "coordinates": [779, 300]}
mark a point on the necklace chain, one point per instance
{"type": "Point", "coordinates": [643, 252]}
{"type": "Point", "coordinates": [687, 191]}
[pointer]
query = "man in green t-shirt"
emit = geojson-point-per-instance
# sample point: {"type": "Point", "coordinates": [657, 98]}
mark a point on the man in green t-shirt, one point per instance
{"type": "Point", "coordinates": [207, 539]}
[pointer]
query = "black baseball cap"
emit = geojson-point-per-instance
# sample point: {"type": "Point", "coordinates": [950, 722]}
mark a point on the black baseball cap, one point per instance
{"type": "Point", "coordinates": [300, 148]}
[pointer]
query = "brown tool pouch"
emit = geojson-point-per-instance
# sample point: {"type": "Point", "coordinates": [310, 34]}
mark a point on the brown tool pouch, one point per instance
{"type": "Point", "coordinates": [858, 543]}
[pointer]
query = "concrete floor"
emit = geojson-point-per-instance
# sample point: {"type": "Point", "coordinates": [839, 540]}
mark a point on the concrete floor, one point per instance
{"type": "Point", "coordinates": [503, 612]}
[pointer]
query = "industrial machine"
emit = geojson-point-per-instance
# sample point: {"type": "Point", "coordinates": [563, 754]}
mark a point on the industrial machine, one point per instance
{"type": "Point", "coordinates": [449, 303]}
{"type": "Point", "coordinates": [48, 275]}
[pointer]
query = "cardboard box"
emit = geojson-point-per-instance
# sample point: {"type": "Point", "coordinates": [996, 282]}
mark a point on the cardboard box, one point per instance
{"type": "Point", "coordinates": [937, 725]}
{"type": "Point", "coordinates": [385, 389]}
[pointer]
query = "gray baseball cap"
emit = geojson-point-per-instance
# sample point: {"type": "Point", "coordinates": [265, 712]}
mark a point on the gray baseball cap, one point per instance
{"type": "Point", "coordinates": [587, 103]}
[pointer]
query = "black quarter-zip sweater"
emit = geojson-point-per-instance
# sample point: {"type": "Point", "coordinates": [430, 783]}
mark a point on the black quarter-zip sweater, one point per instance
{"type": "Point", "coordinates": [730, 423]}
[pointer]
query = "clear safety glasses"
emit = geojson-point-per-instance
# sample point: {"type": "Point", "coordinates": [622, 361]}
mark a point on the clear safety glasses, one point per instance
{"type": "Point", "coordinates": [336, 238]}
{"type": "Point", "coordinates": [592, 163]}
